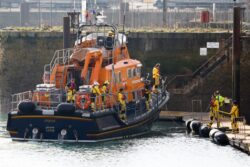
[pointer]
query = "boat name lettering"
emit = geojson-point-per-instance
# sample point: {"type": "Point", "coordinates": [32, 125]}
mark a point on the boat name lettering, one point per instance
{"type": "Point", "coordinates": [50, 129]}
{"type": "Point", "coordinates": [126, 137]}
{"type": "Point", "coordinates": [50, 120]}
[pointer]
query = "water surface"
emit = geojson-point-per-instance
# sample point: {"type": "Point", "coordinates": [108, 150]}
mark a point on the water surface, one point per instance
{"type": "Point", "coordinates": [166, 145]}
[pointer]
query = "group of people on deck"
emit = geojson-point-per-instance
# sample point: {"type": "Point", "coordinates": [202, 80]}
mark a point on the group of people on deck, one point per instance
{"type": "Point", "coordinates": [216, 109]}
{"type": "Point", "coordinates": [121, 98]}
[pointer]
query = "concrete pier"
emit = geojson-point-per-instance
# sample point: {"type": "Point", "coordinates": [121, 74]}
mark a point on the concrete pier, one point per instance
{"type": "Point", "coordinates": [239, 140]}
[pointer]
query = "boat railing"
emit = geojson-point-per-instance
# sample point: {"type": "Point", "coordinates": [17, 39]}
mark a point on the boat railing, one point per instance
{"type": "Point", "coordinates": [19, 97]}
{"type": "Point", "coordinates": [43, 100]}
{"type": "Point", "coordinates": [50, 100]}
{"type": "Point", "coordinates": [61, 57]}
{"type": "Point", "coordinates": [103, 101]}
{"type": "Point", "coordinates": [138, 107]}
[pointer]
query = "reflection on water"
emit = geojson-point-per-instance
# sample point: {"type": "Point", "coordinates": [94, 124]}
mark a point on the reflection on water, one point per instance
{"type": "Point", "coordinates": [166, 145]}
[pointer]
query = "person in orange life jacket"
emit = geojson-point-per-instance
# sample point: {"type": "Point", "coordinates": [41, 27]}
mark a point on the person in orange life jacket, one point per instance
{"type": "Point", "coordinates": [122, 101]}
{"type": "Point", "coordinates": [71, 89]}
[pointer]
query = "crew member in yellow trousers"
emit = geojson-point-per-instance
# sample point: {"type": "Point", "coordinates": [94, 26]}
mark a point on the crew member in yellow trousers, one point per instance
{"type": "Point", "coordinates": [71, 89]}
{"type": "Point", "coordinates": [214, 112]}
{"type": "Point", "coordinates": [94, 92]}
{"type": "Point", "coordinates": [122, 101]}
{"type": "Point", "coordinates": [147, 95]}
{"type": "Point", "coordinates": [156, 77]}
{"type": "Point", "coordinates": [234, 114]}
{"type": "Point", "coordinates": [211, 112]}
{"type": "Point", "coordinates": [105, 91]}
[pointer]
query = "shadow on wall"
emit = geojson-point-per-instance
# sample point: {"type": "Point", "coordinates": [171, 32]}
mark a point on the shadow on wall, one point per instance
{"type": "Point", "coordinates": [22, 59]}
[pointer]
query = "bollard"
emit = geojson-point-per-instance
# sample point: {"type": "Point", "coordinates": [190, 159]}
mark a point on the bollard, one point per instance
{"type": "Point", "coordinates": [188, 122]}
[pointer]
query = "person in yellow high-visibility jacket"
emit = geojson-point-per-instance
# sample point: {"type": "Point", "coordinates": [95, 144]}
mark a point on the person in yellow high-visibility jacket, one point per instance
{"type": "Point", "coordinates": [211, 111]}
{"type": "Point", "coordinates": [234, 114]}
{"type": "Point", "coordinates": [156, 77]}
{"type": "Point", "coordinates": [105, 91]}
{"type": "Point", "coordinates": [94, 93]}
{"type": "Point", "coordinates": [216, 110]}
{"type": "Point", "coordinates": [71, 89]}
{"type": "Point", "coordinates": [122, 101]}
{"type": "Point", "coordinates": [147, 95]}
{"type": "Point", "coordinates": [220, 99]}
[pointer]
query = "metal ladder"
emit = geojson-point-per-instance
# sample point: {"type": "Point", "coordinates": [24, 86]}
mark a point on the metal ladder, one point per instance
{"type": "Point", "coordinates": [193, 80]}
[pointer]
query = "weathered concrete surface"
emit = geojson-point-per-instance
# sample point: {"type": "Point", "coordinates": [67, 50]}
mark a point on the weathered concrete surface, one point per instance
{"type": "Point", "coordinates": [23, 54]}
{"type": "Point", "coordinates": [178, 53]}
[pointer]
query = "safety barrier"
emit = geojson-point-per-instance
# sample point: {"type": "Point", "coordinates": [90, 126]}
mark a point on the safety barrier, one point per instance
{"type": "Point", "coordinates": [19, 97]}
{"type": "Point", "coordinates": [242, 127]}
{"type": "Point", "coordinates": [50, 100]}
{"type": "Point", "coordinates": [44, 100]}
{"type": "Point", "coordinates": [47, 99]}
{"type": "Point", "coordinates": [138, 106]}
{"type": "Point", "coordinates": [60, 57]}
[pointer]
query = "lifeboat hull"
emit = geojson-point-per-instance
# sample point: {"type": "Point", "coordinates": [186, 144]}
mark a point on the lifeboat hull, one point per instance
{"type": "Point", "coordinates": [82, 126]}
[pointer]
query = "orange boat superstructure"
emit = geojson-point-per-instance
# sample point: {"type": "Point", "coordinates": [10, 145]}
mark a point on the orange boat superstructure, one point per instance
{"type": "Point", "coordinates": [96, 57]}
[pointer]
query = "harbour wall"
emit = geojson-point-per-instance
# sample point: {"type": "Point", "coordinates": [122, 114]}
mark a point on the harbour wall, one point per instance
{"type": "Point", "coordinates": [23, 55]}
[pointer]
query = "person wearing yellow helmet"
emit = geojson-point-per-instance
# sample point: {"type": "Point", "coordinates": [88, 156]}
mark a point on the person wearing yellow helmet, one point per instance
{"type": "Point", "coordinates": [105, 91]}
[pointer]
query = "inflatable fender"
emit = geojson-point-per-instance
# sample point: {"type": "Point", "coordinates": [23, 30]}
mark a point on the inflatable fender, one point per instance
{"type": "Point", "coordinates": [187, 123]}
{"type": "Point", "coordinates": [204, 131]}
{"type": "Point", "coordinates": [212, 132]}
{"type": "Point", "coordinates": [221, 138]}
{"type": "Point", "coordinates": [195, 126]}
{"type": "Point", "coordinates": [26, 107]}
{"type": "Point", "coordinates": [65, 109]}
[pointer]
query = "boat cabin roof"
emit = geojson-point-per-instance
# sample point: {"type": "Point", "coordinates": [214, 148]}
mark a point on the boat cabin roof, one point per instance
{"type": "Point", "coordinates": [81, 54]}
{"type": "Point", "coordinates": [124, 64]}
{"type": "Point", "coordinates": [121, 38]}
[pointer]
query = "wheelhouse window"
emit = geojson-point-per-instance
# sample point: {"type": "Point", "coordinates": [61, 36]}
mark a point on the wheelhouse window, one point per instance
{"type": "Point", "coordinates": [134, 72]}
{"type": "Point", "coordinates": [129, 73]}
{"type": "Point", "coordinates": [138, 71]}
{"type": "Point", "coordinates": [118, 77]}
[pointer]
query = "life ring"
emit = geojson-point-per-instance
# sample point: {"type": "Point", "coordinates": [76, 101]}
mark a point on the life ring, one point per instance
{"type": "Point", "coordinates": [83, 102]}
